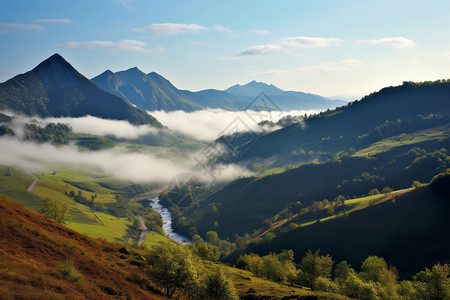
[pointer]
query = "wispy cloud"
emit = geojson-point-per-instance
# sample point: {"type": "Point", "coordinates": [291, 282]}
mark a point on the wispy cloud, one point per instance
{"type": "Point", "coordinates": [53, 21]}
{"type": "Point", "coordinates": [8, 27]}
{"type": "Point", "coordinates": [343, 65]}
{"type": "Point", "coordinates": [299, 42]}
{"type": "Point", "coordinates": [125, 4]}
{"type": "Point", "coordinates": [396, 42]}
{"type": "Point", "coordinates": [274, 72]}
{"type": "Point", "coordinates": [260, 31]}
{"type": "Point", "coordinates": [132, 46]}
{"type": "Point", "coordinates": [171, 28]}
{"type": "Point", "coordinates": [223, 29]}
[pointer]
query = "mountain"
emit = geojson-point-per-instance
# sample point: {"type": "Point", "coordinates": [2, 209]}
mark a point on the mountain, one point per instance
{"type": "Point", "coordinates": [148, 91]}
{"type": "Point", "coordinates": [284, 99]}
{"type": "Point", "coordinates": [54, 88]}
{"type": "Point", "coordinates": [153, 92]}
{"type": "Point", "coordinates": [252, 89]}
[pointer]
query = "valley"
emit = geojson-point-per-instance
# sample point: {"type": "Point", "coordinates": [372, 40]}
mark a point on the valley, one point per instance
{"type": "Point", "coordinates": [99, 194]}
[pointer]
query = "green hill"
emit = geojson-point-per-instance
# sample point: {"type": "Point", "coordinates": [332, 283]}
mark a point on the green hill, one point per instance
{"type": "Point", "coordinates": [54, 88]}
{"type": "Point", "coordinates": [410, 231]}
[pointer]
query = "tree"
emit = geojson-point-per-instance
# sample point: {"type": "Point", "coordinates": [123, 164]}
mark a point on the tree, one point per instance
{"type": "Point", "coordinates": [219, 287]}
{"type": "Point", "coordinates": [314, 265]}
{"type": "Point", "coordinates": [374, 192]}
{"type": "Point", "coordinates": [340, 199]}
{"type": "Point", "coordinates": [371, 268]}
{"type": "Point", "coordinates": [434, 283]}
{"type": "Point", "coordinates": [171, 266]}
{"type": "Point", "coordinates": [213, 238]}
{"type": "Point", "coordinates": [271, 268]}
{"type": "Point", "coordinates": [56, 210]}
{"type": "Point", "coordinates": [416, 184]}
{"type": "Point", "coordinates": [342, 271]}
{"type": "Point", "coordinates": [386, 190]}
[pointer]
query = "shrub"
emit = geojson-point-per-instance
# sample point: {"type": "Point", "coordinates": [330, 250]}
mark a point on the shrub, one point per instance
{"type": "Point", "coordinates": [69, 271]}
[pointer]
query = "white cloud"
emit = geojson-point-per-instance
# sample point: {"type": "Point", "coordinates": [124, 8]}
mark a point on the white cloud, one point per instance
{"type": "Point", "coordinates": [171, 28]}
{"type": "Point", "coordinates": [221, 28]}
{"type": "Point", "coordinates": [132, 46]}
{"type": "Point", "coordinates": [396, 42]}
{"type": "Point", "coordinates": [343, 65]}
{"type": "Point", "coordinates": [261, 31]}
{"type": "Point", "coordinates": [8, 27]}
{"type": "Point", "coordinates": [208, 125]}
{"type": "Point", "coordinates": [290, 43]}
{"type": "Point", "coordinates": [53, 21]}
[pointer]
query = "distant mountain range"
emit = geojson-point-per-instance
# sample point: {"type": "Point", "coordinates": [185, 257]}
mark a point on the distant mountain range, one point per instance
{"type": "Point", "coordinates": [55, 89]}
{"type": "Point", "coordinates": [153, 92]}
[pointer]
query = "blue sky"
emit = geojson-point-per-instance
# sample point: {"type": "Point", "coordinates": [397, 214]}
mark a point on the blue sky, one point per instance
{"type": "Point", "coordinates": [327, 47]}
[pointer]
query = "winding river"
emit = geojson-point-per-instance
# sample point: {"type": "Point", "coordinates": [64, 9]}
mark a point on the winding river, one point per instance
{"type": "Point", "coordinates": [167, 222]}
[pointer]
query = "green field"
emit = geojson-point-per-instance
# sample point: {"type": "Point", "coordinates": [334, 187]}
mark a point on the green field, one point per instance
{"type": "Point", "coordinates": [56, 181]}
{"type": "Point", "coordinates": [436, 134]}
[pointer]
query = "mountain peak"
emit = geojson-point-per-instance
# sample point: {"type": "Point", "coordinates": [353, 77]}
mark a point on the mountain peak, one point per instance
{"type": "Point", "coordinates": [253, 89]}
{"type": "Point", "coordinates": [56, 71]}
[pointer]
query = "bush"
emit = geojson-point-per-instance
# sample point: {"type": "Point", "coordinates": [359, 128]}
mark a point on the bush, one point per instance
{"type": "Point", "coordinates": [219, 287]}
{"type": "Point", "coordinates": [326, 285]}
{"type": "Point", "coordinates": [69, 271]}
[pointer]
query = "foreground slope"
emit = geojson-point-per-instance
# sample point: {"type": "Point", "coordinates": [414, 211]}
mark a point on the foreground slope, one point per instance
{"type": "Point", "coordinates": [40, 259]}
{"type": "Point", "coordinates": [55, 89]}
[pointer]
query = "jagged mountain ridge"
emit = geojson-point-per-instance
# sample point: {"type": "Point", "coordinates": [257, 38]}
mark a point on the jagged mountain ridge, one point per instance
{"type": "Point", "coordinates": [55, 88]}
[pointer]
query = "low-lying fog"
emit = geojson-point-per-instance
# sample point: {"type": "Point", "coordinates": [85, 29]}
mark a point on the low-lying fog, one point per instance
{"type": "Point", "coordinates": [205, 125]}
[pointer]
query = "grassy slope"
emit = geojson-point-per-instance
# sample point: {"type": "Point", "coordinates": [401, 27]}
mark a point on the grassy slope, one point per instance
{"type": "Point", "coordinates": [34, 249]}
{"type": "Point", "coordinates": [59, 179]}
{"type": "Point", "coordinates": [410, 232]}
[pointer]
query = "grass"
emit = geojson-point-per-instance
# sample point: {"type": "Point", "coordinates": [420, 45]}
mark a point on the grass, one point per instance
{"type": "Point", "coordinates": [111, 228]}
{"type": "Point", "coordinates": [351, 206]}
{"type": "Point", "coordinates": [153, 239]}
{"type": "Point", "coordinates": [15, 185]}
{"type": "Point", "coordinates": [385, 145]}
{"type": "Point", "coordinates": [58, 179]}
{"type": "Point", "coordinates": [265, 289]}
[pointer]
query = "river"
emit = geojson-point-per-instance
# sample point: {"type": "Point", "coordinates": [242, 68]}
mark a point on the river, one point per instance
{"type": "Point", "coordinates": [167, 222]}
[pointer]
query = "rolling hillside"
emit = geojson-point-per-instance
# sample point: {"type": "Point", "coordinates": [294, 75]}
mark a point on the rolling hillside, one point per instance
{"type": "Point", "coordinates": [54, 88]}
{"type": "Point", "coordinates": [409, 231]}
{"type": "Point", "coordinates": [391, 111]}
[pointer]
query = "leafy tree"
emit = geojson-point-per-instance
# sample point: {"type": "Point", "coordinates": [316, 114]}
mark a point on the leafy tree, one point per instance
{"type": "Point", "coordinates": [171, 266]}
{"type": "Point", "coordinates": [271, 268]}
{"type": "Point", "coordinates": [340, 199]}
{"type": "Point", "coordinates": [434, 283]}
{"type": "Point", "coordinates": [56, 210]}
{"type": "Point", "coordinates": [416, 184]}
{"type": "Point", "coordinates": [219, 287]}
{"type": "Point", "coordinates": [213, 238]}
{"type": "Point", "coordinates": [342, 271]}
{"type": "Point", "coordinates": [206, 251]}
{"type": "Point", "coordinates": [372, 267]}
{"type": "Point", "coordinates": [386, 190]}
{"type": "Point", "coordinates": [374, 192]}
{"type": "Point", "coordinates": [313, 266]}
